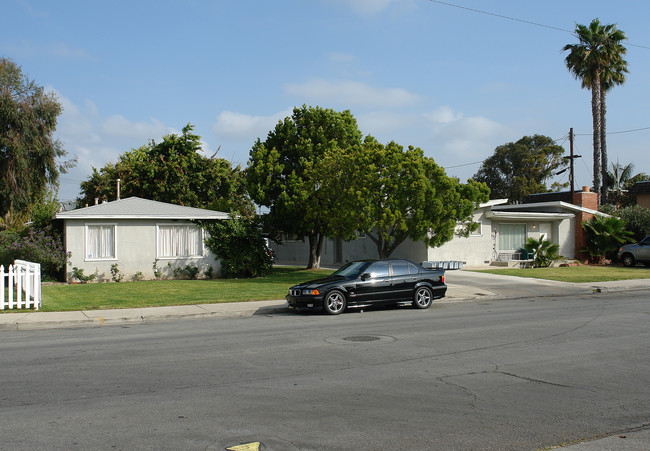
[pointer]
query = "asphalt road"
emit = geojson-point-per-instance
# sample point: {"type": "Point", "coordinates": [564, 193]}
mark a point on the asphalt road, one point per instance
{"type": "Point", "coordinates": [499, 374]}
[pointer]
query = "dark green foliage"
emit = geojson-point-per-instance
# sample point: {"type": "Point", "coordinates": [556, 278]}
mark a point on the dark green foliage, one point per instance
{"type": "Point", "coordinates": [637, 220]}
{"type": "Point", "coordinates": [115, 273]}
{"type": "Point", "coordinates": [171, 171]}
{"type": "Point", "coordinates": [28, 151]}
{"type": "Point", "coordinates": [604, 235]}
{"type": "Point", "coordinates": [280, 173]}
{"type": "Point", "coordinates": [399, 193]}
{"type": "Point", "coordinates": [544, 252]}
{"type": "Point", "coordinates": [240, 246]}
{"type": "Point", "coordinates": [518, 169]}
{"type": "Point", "coordinates": [42, 246]}
{"type": "Point", "coordinates": [78, 273]}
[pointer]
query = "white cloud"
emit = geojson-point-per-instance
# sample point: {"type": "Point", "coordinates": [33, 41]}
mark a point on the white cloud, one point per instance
{"type": "Point", "coordinates": [231, 124]}
{"type": "Point", "coordinates": [370, 7]}
{"type": "Point", "coordinates": [350, 93]}
{"type": "Point", "coordinates": [96, 140]}
{"type": "Point", "coordinates": [120, 127]}
{"type": "Point", "coordinates": [55, 49]}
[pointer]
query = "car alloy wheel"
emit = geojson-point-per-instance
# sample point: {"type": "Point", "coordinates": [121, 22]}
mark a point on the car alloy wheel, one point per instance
{"type": "Point", "coordinates": [422, 298]}
{"type": "Point", "coordinates": [334, 302]}
{"type": "Point", "coordinates": [628, 260]}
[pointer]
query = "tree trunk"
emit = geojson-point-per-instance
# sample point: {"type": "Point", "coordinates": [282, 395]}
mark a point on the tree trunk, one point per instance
{"type": "Point", "coordinates": [315, 248]}
{"type": "Point", "coordinates": [603, 147]}
{"type": "Point", "coordinates": [595, 113]}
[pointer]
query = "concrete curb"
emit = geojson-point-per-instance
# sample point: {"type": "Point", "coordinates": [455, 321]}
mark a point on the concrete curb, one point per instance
{"type": "Point", "coordinates": [30, 320]}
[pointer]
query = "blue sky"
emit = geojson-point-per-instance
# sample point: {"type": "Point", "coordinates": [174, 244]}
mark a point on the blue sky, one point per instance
{"type": "Point", "coordinates": [452, 81]}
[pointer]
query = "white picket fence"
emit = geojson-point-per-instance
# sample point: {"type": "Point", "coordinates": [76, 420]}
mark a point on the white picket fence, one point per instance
{"type": "Point", "coordinates": [23, 285]}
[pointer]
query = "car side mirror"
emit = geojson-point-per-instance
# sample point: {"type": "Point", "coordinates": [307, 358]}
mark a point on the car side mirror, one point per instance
{"type": "Point", "coordinates": [365, 275]}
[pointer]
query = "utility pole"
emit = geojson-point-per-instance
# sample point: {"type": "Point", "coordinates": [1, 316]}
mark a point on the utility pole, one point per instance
{"type": "Point", "coordinates": [571, 157]}
{"type": "Point", "coordinates": [571, 161]}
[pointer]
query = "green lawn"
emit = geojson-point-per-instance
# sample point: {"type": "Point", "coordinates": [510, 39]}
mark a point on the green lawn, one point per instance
{"type": "Point", "coordinates": [92, 296]}
{"type": "Point", "coordinates": [154, 293]}
{"type": "Point", "coordinates": [578, 274]}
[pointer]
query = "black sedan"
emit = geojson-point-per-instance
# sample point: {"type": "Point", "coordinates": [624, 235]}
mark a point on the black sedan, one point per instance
{"type": "Point", "coordinates": [370, 282]}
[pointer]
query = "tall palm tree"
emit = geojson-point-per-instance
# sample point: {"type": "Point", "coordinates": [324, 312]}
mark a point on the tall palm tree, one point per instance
{"type": "Point", "coordinates": [612, 76]}
{"type": "Point", "coordinates": [597, 61]}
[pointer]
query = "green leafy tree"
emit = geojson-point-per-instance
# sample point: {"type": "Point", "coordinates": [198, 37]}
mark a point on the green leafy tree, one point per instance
{"type": "Point", "coordinates": [240, 246]}
{"type": "Point", "coordinates": [518, 169]}
{"type": "Point", "coordinates": [172, 171]}
{"type": "Point", "coordinates": [544, 252]}
{"type": "Point", "coordinates": [597, 61]}
{"type": "Point", "coordinates": [603, 236]}
{"type": "Point", "coordinates": [283, 170]}
{"type": "Point", "coordinates": [402, 194]}
{"type": "Point", "coordinates": [637, 220]}
{"type": "Point", "coordinates": [28, 151]}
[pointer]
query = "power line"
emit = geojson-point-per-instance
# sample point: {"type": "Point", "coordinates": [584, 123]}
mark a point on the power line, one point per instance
{"type": "Point", "coordinates": [615, 133]}
{"type": "Point", "coordinates": [515, 19]}
{"type": "Point", "coordinates": [501, 16]}
{"type": "Point", "coordinates": [465, 164]}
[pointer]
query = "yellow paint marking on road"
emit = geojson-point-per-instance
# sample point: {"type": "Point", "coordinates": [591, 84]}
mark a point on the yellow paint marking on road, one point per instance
{"type": "Point", "coordinates": [255, 446]}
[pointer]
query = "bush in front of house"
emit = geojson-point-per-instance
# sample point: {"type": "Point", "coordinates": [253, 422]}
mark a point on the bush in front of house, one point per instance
{"type": "Point", "coordinates": [603, 237]}
{"type": "Point", "coordinates": [240, 246]}
{"type": "Point", "coordinates": [544, 252]}
{"type": "Point", "coordinates": [637, 220]}
{"type": "Point", "coordinates": [35, 245]}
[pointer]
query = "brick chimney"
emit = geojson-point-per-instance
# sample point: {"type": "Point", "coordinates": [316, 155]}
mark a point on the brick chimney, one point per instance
{"type": "Point", "coordinates": [586, 199]}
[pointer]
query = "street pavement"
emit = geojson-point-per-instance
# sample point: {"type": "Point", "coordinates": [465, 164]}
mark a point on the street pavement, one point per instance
{"type": "Point", "coordinates": [462, 286]}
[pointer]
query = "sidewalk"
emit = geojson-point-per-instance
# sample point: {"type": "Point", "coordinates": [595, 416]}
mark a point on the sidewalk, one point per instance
{"type": "Point", "coordinates": [462, 286]}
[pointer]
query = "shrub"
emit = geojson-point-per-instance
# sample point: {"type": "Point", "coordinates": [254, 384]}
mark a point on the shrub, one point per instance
{"type": "Point", "coordinates": [637, 220]}
{"type": "Point", "coordinates": [137, 277]}
{"type": "Point", "coordinates": [36, 245]}
{"type": "Point", "coordinates": [604, 235]}
{"type": "Point", "coordinates": [544, 252]}
{"type": "Point", "coordinates": [115, 273]}
{"type": "Point", "coordinates": [78, 273]}
{"type": "Point", "coordinates": [157, 272]}
{"type": "Point", "coordinates": [240, 246]}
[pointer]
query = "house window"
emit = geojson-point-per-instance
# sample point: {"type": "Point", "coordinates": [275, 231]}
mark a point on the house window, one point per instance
{"type": "Point", "coordinates": [179, 241]}
{"type": "Point", "coordinates": [100, 242]}
{"type": "Point", "coordinates": [293, 237]}
{"type": "Point", "coordinates": [512, 236]}
{"type": "Point", "coordinates": [478, 231]}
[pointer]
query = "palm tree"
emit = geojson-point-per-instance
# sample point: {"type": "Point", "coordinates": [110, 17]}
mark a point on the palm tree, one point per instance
{"type": "Point", "coordinates": [597, 61]}
{"type": "Point", "coordinates": [618, 177]}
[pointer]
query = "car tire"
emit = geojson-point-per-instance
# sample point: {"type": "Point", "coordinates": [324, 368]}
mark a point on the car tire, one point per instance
{"type": "Point", "coordinates": [334, 302]}
{"type": "Point", "coordinates": [422, 298]}
{"type": "Point", "coordinates": [628, 260]}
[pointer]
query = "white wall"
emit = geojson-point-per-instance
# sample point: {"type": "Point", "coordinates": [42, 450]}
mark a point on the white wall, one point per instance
{"type": "Point", "coordinates": [297, 252]}
{"type": "Point", "coordinates": [475, 250]}
{"type": "Point", "coordinates": [135, 251]}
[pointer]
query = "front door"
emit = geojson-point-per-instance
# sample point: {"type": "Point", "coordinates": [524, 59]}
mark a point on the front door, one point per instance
{"type": "Point", "coordinates": [376, 286]}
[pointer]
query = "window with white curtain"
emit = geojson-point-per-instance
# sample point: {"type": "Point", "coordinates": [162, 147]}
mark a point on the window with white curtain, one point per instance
{"type": "Point", "coordinates": [179, 241]}
{"type": "Point", "coordinates": [100, 242]}
{"type": "Point", "coordinates": [512, 236]}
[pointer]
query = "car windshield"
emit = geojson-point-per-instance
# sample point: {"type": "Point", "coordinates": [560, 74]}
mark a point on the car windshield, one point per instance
{"type": "Point", "coordinates": [352, 269]}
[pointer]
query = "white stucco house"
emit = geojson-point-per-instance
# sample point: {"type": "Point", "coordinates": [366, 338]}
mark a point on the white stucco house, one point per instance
{"type": "Point", "coordinates": [502, 232]}
{"type": "Point", "coordinates": [134, 233]}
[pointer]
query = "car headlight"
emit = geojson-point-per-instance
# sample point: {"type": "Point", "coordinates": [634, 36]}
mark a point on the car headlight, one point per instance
{"type": "Point", "coordinates": [310, 292]}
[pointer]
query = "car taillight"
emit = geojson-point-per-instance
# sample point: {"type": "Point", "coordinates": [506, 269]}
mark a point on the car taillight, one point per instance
{"type": "Point", "coordinates": [442, 278]}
